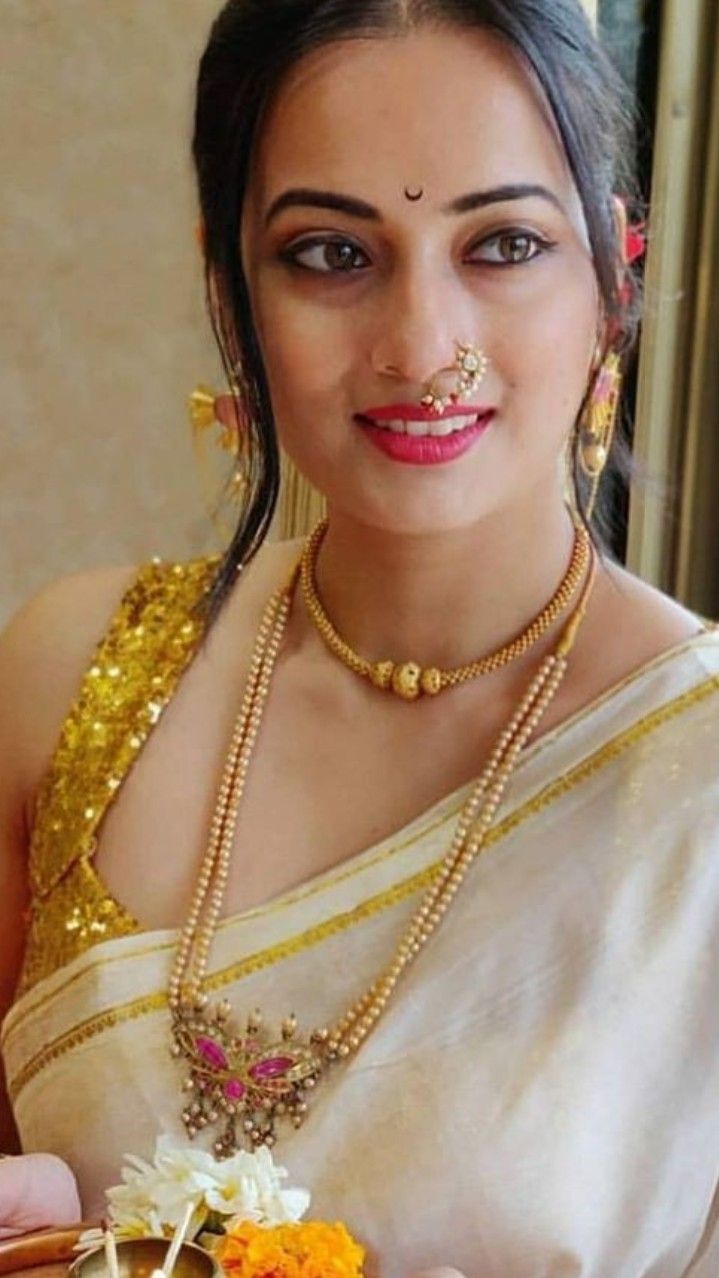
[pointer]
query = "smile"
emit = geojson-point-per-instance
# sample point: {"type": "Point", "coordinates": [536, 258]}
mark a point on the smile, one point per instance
{"type": "Point", "coordinates": [440, 427]}
{"type": "Point", "coordinates": [425, 440]}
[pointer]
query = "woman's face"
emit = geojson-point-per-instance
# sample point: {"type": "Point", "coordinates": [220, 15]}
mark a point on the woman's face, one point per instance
{"type": "Point", "coordinates": [360, 293]}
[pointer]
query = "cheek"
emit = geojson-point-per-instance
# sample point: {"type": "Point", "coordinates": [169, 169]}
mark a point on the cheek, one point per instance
{"type": "Point", "coordinates": [543, 350]}
{"type": "Point", "coordinates": [306, 360]}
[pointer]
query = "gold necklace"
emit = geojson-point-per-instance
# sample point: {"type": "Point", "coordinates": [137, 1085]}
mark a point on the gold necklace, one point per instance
{"type": "Point", "coordinates": [242, 1081]}
{"type": "Point", "coordinates": [407, 679]}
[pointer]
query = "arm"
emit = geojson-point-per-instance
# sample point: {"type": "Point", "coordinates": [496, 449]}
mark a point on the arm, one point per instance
{"type": "Point", "coordinates": [43, 654]}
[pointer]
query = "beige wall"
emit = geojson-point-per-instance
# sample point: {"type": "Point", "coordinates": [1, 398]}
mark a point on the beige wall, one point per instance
{"type": "Point", "coordinates": [102, 328]}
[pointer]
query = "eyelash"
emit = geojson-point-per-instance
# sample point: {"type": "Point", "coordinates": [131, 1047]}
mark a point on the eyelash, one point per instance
{"type": "Point", "coordinates": [291, 254]}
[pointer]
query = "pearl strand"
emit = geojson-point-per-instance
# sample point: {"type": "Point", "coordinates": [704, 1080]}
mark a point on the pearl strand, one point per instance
{"type": "Point", "coordinates": [191, 944]}
{"type": "Point", "coordinates": [244, 755]}
{"type": "Point", "coordinates": [348, 1034]}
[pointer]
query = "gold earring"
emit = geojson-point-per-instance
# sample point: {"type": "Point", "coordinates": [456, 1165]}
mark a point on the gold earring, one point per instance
{"type": "Point", "coordinates": [208, 410]}
{"type": "Point", "coordinates": [597, 430]}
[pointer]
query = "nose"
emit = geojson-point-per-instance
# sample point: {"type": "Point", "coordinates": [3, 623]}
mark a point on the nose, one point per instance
{"type": "Point", "coordinates": [419, 323]}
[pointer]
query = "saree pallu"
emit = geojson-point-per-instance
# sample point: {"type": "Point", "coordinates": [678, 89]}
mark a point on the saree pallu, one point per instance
{"type": "Point", "coordinates": [542, 1096]}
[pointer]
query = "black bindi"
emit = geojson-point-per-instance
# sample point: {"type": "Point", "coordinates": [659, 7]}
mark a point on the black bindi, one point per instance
{"type": "Point", "coordinates": [413, 195]}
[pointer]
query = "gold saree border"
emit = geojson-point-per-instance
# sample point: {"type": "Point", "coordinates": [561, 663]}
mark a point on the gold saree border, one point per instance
{"type": "Point", "coordinates": [544, 798]}
{"type": "Point", "coordinates": [436, 816]}
{"type": "Point", "coordinates": [299, 894]}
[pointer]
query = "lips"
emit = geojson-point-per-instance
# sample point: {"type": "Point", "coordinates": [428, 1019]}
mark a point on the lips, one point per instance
{"type": "Point", "coordinates": [427, 441]}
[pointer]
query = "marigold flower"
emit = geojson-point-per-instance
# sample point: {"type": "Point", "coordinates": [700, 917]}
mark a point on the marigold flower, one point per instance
{"type": "Point", "coordinates": [314, 1249]}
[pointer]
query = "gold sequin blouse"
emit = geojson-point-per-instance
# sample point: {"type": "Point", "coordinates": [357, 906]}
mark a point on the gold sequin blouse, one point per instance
{"type": "Point", "coordinates": [131, 678]}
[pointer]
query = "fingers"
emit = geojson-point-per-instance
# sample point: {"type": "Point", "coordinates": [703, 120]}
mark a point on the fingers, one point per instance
{"type": "Point", "coordinates": [37, 1191]}
{"type": "Point", "coordinates": [442, 1272]}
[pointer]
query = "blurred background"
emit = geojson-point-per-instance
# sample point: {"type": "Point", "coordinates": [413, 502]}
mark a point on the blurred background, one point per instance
{"type": "Point", "coordinates": [103, 327]}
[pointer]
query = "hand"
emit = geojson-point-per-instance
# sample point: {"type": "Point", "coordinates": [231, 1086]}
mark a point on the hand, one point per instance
{"type": "Point", "coordinates": [37, 1191]}
{"type": "Point", "coordinates": [442, 1272]}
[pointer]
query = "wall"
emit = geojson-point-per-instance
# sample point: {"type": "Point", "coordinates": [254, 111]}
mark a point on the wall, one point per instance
{"type": "Point", "coordinates": [103, 330]}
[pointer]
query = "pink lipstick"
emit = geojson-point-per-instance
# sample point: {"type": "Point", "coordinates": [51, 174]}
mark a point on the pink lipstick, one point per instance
{"type": "Point", "coordinates": [412, 434]}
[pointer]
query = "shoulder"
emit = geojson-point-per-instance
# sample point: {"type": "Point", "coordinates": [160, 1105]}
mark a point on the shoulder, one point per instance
{"type": "Point", "coordinates": [271, 568]}
{"type": "Point", "coordinates": [49, 644]}
{"type": "Point", "coordinates": [44, 651]}
{"type": "Point", "coordinates": [649, 611]}
{"type": "Point", "coordinates": [629, 626]}
{"type": "Point", "coordinates": [631, 623]}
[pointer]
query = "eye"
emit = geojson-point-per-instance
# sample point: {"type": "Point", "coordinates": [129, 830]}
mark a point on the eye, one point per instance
{"type": "Point", "coordinates": [511, 248]}
{"type": "Point", "coordinates": [326, 256]}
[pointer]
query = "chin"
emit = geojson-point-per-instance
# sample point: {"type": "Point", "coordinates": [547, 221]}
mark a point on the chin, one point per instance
{"type": "Point", "coordinates": [414, 518]}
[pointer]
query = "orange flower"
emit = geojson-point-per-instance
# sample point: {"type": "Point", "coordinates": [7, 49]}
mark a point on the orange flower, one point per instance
{"type": "Point", "coordinates": [311, 1250]}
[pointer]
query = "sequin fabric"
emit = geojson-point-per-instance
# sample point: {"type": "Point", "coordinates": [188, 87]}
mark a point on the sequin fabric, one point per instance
{"type": "Point", "coordinates": [134, 671]}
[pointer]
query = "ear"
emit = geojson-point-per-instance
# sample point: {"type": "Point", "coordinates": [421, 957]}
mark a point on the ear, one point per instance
{"type": "Point", "coordinates": [226, 413]}
{"type": "Point", "coordinates": [200, 235]}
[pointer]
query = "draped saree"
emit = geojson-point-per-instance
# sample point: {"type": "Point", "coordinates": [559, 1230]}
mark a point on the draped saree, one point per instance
{"type": "Point", "coordinates": [542, 1097]}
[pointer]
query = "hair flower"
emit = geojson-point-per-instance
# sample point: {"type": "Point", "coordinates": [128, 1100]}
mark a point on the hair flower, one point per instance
{"type": "Point", "coordinates": [635, 244]}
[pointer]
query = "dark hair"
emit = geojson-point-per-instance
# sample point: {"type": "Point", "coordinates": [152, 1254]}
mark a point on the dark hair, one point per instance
{"type": "Point", "coordinates": [251, 47]}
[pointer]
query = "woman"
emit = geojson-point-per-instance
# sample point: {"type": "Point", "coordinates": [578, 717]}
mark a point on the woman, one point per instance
{"type": "Point", "coordinates": [415, 273]}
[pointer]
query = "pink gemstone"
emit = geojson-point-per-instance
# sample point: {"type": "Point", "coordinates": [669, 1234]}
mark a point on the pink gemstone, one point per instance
{"type": "Point", "coordinates": [234, 1089]}
{"type": "Point", "coordinates": [273, 1068]}
{"type": "Point", "coordinates": [211, 1052]}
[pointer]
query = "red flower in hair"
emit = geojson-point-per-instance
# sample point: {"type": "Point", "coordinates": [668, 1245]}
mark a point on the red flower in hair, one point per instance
{"type": "Point", "coordinates": [635, 244]}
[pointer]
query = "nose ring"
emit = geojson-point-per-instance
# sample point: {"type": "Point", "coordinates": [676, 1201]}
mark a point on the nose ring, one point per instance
{"type": "Point", "coordinates": [470, 367]}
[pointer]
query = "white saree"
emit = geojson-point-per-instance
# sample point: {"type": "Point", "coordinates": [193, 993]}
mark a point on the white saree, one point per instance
{"type": "Point", "coordinates": [542, 1098]}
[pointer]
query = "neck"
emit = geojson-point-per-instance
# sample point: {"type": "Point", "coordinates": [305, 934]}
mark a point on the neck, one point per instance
{"type": "Point", "coordinates": [441, 599]}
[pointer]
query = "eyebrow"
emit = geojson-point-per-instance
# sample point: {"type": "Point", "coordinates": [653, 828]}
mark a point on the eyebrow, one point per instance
{"type": "Point", "coordinates": [308, 197]}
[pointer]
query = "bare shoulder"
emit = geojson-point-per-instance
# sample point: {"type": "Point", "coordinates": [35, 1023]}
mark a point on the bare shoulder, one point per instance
{"type": "Point", "coordinates": [629, 625]}
{"type": "Point", "coordinates": [656, 621]}
{"type": "Point", "coordinates": [44, 651]}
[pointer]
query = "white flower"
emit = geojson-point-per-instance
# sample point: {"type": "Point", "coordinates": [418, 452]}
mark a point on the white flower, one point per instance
{"type": "Point", "coordinates": [132, 1206]}
{"type": "Point", "coordinates": [153, 1196]}
{"type": "Point", "coordinates": [248, 1187]}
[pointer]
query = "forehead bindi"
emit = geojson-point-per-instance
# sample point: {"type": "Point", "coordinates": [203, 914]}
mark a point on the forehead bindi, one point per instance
{"type": "Point", "coordinates": [358, 117]}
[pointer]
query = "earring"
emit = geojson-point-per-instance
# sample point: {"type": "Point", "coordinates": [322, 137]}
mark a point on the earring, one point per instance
{"type": "Point", "coordinates": [470, 366]}
{"type": "Point", "coordinates": [597, 430]}
{"type": "Point", "coordinates": [206, 410]}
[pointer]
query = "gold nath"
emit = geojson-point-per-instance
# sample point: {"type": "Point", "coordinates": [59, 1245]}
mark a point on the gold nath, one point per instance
{"type": "Point", "coordinates": [407, 679]}
{"type": "Point", "coordinates": [242, 1079]}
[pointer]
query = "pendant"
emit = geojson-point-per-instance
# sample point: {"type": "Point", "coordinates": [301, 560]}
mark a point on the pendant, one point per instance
{"type": "Point", "coordinates": [242, 1084]}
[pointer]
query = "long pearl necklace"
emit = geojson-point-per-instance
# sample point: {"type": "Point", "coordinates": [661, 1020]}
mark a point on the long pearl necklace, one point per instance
{"type": "Point", "coordinates": [242, 1081]}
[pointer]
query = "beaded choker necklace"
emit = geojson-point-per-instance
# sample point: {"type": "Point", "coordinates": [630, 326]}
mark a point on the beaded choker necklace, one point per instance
{"type": "Point", "coordinates": [407, 679]}
{"type": "Point", "coordinates": [241, 1082]}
